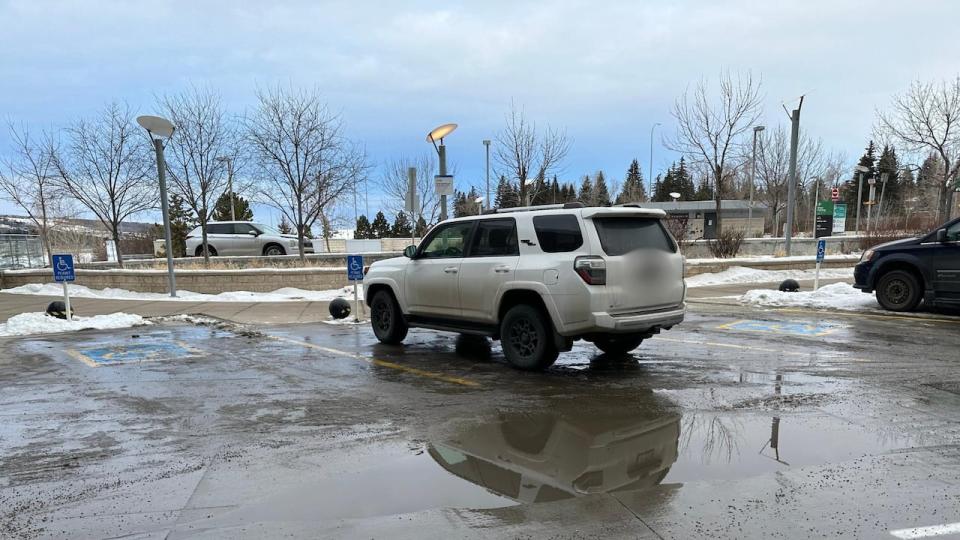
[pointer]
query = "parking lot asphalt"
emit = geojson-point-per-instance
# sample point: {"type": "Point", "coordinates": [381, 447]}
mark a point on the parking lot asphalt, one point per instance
{"type": "Point", "coordinates": [738, 423]}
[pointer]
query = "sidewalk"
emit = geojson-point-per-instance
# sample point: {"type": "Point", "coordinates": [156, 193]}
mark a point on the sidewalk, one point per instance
{"type": "Point", "coordinates": [240, 312]}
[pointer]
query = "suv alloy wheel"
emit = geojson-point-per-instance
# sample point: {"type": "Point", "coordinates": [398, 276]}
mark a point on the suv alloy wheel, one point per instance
{"type": "Point", "coordinates": [526, 336]}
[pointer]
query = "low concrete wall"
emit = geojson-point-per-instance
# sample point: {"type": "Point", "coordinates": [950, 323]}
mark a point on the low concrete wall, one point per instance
{"type": "Point", "coordinates": [271, 279]}
{"type": "Point", "coordinates": [320, 260]}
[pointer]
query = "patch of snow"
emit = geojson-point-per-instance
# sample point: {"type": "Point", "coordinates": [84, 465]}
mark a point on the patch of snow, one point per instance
{"type": "Point", "coordinates": [347, 321]}
{"type": "Point", "coordinates": [836, 296]}
{"type": "Point", "coordinates": [741, 274]}
{"type": "Point", "coordinates": [26, 324]}
{"type": "Point", "coordinates": [286, 294]}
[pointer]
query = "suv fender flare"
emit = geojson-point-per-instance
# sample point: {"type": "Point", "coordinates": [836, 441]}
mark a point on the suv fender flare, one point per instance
{"type": "Point", "coordinates": [531, 286]}
{"type": "Point", "coordinates": [899, 260]}
{"type": "Point", "coordinates": [371, 286]}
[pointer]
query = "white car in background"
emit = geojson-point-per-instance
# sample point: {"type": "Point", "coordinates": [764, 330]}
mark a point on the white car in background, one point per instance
{"type": "Point", "coordinates": [244, 238]}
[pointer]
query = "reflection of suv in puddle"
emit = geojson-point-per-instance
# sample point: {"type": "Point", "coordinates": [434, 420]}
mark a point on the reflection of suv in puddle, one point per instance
{"type": "Point", "coordinates": [536, 279]}
{"type": "Point", "coordinates": [546, 457]}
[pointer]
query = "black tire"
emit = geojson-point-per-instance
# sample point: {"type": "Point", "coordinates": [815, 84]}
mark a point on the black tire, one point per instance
{"type": "Point", "coordinates": [387, 319]}
{"type": "Point", "coordinates": [211, 249]}
{"type": "Point", "coordinates": [526, 335]}
{"type": "Point", "coordinates": [615, 345]}
{"type": "Point", "coordinates": [274, 250]}
{"type": "Point", "coordinates": [899, 290]}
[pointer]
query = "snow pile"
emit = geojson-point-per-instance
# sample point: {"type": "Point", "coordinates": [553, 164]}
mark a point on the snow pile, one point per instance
{"type": "Point", "coordinates": [836, 296]}
{"type": "Point", "coordinates": [286, 294]}
{"type": "Point", "coordinates": [40, 323]}
{"type": "Point", "coordinates": [741, 274]}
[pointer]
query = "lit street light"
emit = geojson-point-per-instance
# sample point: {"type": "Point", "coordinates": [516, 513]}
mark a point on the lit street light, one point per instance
{"type": "Point", "coordinates": [445, 188]}
{"type": "Point", "coordinates": [159, 129]}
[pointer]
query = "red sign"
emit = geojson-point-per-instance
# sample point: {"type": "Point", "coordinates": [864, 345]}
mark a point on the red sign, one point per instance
{"type": "Point", "coordinates": [835, 194]}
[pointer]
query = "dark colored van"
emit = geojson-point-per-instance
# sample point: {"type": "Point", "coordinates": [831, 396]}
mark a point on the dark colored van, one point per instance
{"type": "Point", "coordinates": [904, 272]}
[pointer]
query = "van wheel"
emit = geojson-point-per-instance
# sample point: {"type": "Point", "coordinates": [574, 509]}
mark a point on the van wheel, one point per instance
{"type": "Point", "coordinates": [387, 319]}
{"type": "Point", "coordinates": [213, 252]}
{"type": "Point", "coordinates": [273, 250]}
{"type": "Point", "coordinates": [618, 345]}
{"type": "Point", "coordinates": [898, 291]}
{"type": "Point", "coordinates": [526, 338]}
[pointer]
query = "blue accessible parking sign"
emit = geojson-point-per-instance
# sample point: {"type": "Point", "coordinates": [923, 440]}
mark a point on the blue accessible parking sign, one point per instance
{"type": "Point", "coordinates": [63, 268]}
{"type": "Point", "coordinates": [355, 267]}
{"type": "Point", "coordinates": [821, 250]}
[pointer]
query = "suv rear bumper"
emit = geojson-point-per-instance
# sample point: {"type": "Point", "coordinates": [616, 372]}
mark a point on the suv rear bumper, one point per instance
{"type": "Point", "coordinates": [639, 321]}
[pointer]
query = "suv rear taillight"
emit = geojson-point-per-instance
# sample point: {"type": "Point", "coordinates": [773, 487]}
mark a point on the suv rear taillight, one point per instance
{"type": "Point", "coordinates": [593, 270]}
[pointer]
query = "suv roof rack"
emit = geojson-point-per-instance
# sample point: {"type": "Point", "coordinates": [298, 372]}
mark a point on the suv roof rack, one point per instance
{"type": "Point", "coordinates": [558, 206]}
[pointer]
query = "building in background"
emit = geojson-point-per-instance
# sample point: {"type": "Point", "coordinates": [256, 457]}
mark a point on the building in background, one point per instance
{"type": "Point", "coordinates": [701, 216]}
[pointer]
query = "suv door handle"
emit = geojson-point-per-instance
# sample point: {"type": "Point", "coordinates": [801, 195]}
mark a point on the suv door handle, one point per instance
{"type": "Point", "coordinates": [451, 270]}
{"type": "Point", "coordinates": [501, 269]}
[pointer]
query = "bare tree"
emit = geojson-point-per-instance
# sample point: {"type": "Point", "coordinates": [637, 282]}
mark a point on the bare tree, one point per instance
{"type": "Point", "coordinates": [927, 117]}
{"type": "Point", "coordinates": [710, 131]}
{"type": "Point", "coordinates": [204, 134]}
{"type": "Point", "coordinates": [393, 182]}
{"type": "Point", "coordinates": [523, 153]}
{"type": "Point", "coordinates": [31, 181]}
{"type": "Point", "coordinates": [773, 164]}
{"type": "Point", "coordinates": [106, 167]}
{"type": "Point", "coordinates": [305, 163]}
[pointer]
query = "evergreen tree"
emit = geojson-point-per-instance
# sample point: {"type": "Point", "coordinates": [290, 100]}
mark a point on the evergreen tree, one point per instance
{"type": "Point", "coordinates": [852, 186]}
{"type": "Point", "coordinates": [284, 225]}
{"type": "Point", "coordinates": [586, 192]}
{"type": "Point", "coordinates": [601, 195]}
{"type": "Point", "coordinates": [421, 227]}
{"type": "Point", "coordinates": [380, 226]}
{"type": "Point", "coordinates": [241, 207]}
{"type": "Point", "coordinates": [893, 189]}
{"type": "Point", "coordinates": [182, 221]}
{"type": "Point", "coordinates": [684, 182]}
{"type": "Point", "coordinates": [540, 192]}
{"type": "Point", "coordinates": [704, 190]}
{"type": "Point", "coordinates": [555, 192]}
{"type": "Point", "coordinates": [464, 203]}
{"type": "Point", "coordinates": [362, 230]}
{"type": "Point", "coordinates": [508, 196]}
{"type": "Point", "coordinates": [633, 190]}
{"type": "Point", "coordinates": [402, 228]}
{"type": "Point", "coordinates": [659, 192]}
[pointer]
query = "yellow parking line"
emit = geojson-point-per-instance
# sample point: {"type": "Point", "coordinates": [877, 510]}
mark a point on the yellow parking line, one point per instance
{"type": "Point", "coordinates": [81, 357]}
{"type": "Point", "coordinates": [382, 363]}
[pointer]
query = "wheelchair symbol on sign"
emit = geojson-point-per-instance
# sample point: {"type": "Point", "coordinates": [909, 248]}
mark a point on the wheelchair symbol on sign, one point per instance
{"type": "Point", "coordinates": [355, 266]}
{"type": "Point", "coordinates": [62, 265]}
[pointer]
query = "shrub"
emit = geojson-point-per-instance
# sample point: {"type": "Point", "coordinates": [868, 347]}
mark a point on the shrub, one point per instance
{"type": "Point", "coordinates": [727, 243]}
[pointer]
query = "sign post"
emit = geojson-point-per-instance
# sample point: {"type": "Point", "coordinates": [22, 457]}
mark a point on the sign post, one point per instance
{"type": "Point", "coordinates": [821, 252]}
{"type": "Point", "coordinates": [355, 274]}
{"type": "Point", "coordinates": [62, 273]}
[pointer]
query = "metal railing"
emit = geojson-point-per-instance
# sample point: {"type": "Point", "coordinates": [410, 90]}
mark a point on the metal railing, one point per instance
{"type": "Point", "coordinates": [21, 251]}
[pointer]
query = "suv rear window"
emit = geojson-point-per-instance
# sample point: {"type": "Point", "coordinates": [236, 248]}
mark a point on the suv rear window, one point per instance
{"type": "Point", "coordinates": [559, 233]}
{"type": "Point", "coordinates": [621, 235]}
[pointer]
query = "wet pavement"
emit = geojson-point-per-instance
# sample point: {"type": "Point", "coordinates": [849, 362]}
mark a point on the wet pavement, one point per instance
{"type": "Point", "coordinates": [738, 423]}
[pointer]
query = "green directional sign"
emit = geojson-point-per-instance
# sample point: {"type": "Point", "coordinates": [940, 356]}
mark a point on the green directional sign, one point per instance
{"type": "Point", "coordinates": [825, 208]}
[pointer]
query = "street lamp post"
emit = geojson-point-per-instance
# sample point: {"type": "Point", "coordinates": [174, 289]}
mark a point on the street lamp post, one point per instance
{"type": "Point", "coordinates": [753, 173]}
{"type": "Point", "coordinates": [229, 162]}
{"type": "Point", "coordinates": [816, 198]}
{"type": "Point", "coordinates": [160, 128]}
{"type": "Point", "coordinates": [479, 201]}
{"type": "Point", "coordinates": [437, 135]}
{"type": "Point", "coordinates": [650, 163]}
{"type": "Point", "coordinates": [486, 144]}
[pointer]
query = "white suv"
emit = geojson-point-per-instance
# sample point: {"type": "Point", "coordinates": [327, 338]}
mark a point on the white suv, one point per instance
{"type": "Point", "coordinates": [244, 239]}
{"type": "Point", "coordinates": [536, 278]}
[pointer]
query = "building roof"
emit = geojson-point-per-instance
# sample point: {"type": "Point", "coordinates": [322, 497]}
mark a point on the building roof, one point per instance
{"type": "Point", "coordinates": [686, 206]}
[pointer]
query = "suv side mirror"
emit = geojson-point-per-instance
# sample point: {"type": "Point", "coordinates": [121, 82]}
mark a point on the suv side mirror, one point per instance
{"type": "Point", "coordinates": [941, 235]}
{"type": "Point", "coordinates": [410, 252]}
{"type": "Point", "coordinates": [253, 233]}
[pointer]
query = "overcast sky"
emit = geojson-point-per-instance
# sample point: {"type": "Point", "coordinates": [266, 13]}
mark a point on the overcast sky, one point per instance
{"type": "Point", "coordinates": [604, 71]}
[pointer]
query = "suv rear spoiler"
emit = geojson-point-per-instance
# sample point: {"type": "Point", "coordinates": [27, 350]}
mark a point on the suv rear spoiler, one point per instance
{"type": "Point", "coordinates": [627, 210]}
